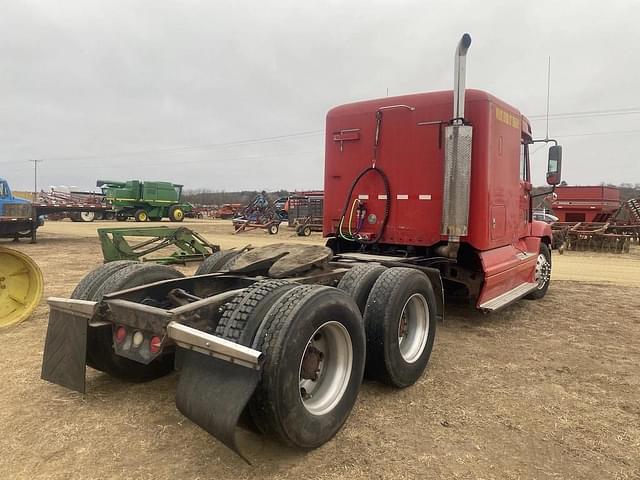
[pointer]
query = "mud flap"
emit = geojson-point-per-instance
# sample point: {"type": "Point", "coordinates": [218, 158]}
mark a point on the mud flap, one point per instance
{"type": "Point", "coordinates": [213, 393]}
{"type": "Point", "coordinates": [65, 350]}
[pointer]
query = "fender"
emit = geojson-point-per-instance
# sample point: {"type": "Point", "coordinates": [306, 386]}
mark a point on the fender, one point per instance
{"type": "Point", "coordinates": [541, 230]}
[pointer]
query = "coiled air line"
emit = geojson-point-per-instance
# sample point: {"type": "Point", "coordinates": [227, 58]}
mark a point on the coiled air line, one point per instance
{"type": "Point", "coordinates": [355, 237]}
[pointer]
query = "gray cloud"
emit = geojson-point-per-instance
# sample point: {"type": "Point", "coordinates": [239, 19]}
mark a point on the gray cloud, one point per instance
{"type": "Point", "coordinates": [82, 81]}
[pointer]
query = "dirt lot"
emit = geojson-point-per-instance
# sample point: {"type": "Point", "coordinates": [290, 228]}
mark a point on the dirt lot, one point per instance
{"type": "Point", "coordinates": [546, 389]}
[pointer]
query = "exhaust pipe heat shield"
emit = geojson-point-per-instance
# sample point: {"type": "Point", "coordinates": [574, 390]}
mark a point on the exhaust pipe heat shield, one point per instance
{"type": "Point", "coordinates": [457, 181]}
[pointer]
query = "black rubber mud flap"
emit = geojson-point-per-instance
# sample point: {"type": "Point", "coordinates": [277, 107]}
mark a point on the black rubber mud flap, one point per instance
{"type": "Point", "coordinates": [212, 393]}
{"type": "Point", "coordinates": [65, 350]}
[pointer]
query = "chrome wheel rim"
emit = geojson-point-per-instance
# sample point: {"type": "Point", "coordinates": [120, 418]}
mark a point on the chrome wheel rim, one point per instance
{"type": "Point", "coordinates": [325, 368]}
{"type": "Point", "coordinates": [413, 328]}
{"type": "Point", "coordinates": [543, 271]}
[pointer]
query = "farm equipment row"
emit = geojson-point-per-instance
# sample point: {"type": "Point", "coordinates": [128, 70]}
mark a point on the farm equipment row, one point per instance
{"type": "Point", "coordinates": [595, 236]}
{"type": "Point", "coordinates": [615, 235]}
{"type": "Point", "coordinates": [121, 200]}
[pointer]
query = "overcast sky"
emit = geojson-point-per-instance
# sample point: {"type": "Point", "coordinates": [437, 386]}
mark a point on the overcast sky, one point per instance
{"type": "Point", "coordinates": [185, 90]}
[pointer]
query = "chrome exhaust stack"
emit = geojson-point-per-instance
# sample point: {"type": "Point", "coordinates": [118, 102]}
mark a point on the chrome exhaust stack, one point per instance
{"type": "Point", "coordinates": [459, 78]}
{"type": "Point", "coordinates": [457, 168]}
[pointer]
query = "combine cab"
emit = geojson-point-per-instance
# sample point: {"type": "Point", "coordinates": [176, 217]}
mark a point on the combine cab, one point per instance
{"type": "Point", "coordinates": [424, 195]}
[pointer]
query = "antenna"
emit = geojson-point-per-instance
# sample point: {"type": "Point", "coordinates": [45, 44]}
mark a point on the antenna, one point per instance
{"type": "Point", "coordinates": [548, 94]}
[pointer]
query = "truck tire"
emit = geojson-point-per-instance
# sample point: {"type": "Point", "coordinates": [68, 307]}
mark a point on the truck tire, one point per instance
{"type": "Point", "coordinates": [242, 316]}
{"type": "Point", "coordinates": [400, 320]}
{"type": "Point", "coordinates": [312, 331]}
{"type": "Point", "coordinates": [176, 213]}
{"type": "Point", "coordinates": [86, 288]}
{"type": "Point", "coordinates": [100, 353]}
{"type": "Point", "coordinates": [122, 217]}
{"type": "Point", "coordinates": [87, 216]}
{"type": "Point", "coordinates": [359, 280]}
{"type": "Point", "coordinates": [141, 215]}
{"type": "Point", "coordinates": [542, 273]}
{"type": "Point", "coordinates": [214, 263]}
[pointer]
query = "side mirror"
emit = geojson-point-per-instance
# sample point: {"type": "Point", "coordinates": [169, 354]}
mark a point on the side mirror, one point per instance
{"type": "Point", "coordinates": [554, 165]}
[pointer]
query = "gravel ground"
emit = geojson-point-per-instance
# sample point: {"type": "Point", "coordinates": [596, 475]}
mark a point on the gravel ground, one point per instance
{"type": "Point", "coordinates": [544, 389]}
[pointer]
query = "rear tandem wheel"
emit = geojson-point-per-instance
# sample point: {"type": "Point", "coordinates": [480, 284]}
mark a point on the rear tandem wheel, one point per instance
{"type": "Point", "coordinates": [314, 346]}
{"type": "Point", "coordinates": [400, 319]}
{"type": "Point", "coordinates": [112, 277]}
{"type": "Point", "coordinates": [216, 262]}
{"type": "Point", "coordinates": [359, 281]}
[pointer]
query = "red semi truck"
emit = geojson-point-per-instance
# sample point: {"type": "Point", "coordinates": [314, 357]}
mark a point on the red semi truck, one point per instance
{"type": "Point", "coordinates": [425, 195]}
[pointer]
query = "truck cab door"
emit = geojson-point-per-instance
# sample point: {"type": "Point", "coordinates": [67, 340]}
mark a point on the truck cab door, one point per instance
{"type": "Point", "coordinates": [525, 192]}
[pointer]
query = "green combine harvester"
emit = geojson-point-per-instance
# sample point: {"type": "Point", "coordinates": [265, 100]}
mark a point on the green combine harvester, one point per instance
{"type": "Point", "coordinates": [145, 201]}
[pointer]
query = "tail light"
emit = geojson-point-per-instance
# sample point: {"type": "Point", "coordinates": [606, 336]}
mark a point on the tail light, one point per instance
{"type": "Point", "coordinates": [155, 344]}
{"type": "Point", "coordinates": [121, 334]}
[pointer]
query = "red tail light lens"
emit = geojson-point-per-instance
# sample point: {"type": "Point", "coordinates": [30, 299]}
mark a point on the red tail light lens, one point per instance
{"type": "Point", "coordinates": [121, 334]}
{"type": "Point", "coordinates": [154, 344]}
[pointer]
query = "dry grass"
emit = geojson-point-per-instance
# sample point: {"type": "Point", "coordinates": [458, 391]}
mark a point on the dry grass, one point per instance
{"type": "Point", "coordinates": [546, 389]}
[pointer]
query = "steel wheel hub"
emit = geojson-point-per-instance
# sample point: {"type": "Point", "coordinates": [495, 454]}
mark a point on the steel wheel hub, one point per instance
{"type": "Point", "coordinates": [413, 328]}
{"type": "Point", "coordinates": [543, 271]}
{"type": "Point", "coordinates": [325, 368]}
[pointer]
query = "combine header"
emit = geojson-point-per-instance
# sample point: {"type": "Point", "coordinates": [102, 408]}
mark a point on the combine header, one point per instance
{"type": "Point", "coordinates": [425, 195]}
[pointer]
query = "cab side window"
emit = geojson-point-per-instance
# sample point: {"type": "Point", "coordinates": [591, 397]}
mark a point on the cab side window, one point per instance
{"type": "Point", "coordinates": [524, 162]}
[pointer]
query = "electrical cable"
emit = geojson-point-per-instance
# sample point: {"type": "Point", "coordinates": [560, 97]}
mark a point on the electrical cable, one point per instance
{"type": "Point", "coordinates": [385, 218]}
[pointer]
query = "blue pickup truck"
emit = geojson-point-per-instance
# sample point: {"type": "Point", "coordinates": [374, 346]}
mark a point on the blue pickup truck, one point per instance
{"type": "Point", "coordinates": [18, 218]}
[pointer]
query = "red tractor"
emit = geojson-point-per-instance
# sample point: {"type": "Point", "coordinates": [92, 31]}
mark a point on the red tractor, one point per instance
{"type": "Point", "coordinates": [425, 195]}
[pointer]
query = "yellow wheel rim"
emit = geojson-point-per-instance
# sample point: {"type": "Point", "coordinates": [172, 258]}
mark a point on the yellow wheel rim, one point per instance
{"type": "Point", "coordinates": [21, 286]}
{"type": "Point", "coordinates": [178, 214]}
{"type": "Point", "coordinates": [143, 216]}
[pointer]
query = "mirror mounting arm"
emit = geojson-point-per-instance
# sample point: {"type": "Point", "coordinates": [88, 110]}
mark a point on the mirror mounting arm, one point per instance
{"type": "Point", "coordinates": [544, 140]}
{"type": "Point", "coordinates": [543, 194]}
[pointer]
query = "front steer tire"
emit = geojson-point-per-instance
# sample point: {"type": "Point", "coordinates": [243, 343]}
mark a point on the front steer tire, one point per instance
{"type": "Point", "coordinates": [277, 406]}
{"type": "Point", "coordinates": [399, 295]}
{"type": "Point", "coordinates": [541, 269]}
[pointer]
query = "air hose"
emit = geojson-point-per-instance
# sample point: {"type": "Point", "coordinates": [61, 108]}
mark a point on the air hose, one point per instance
{"type": "Point", "coordinates": [387, 208]}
